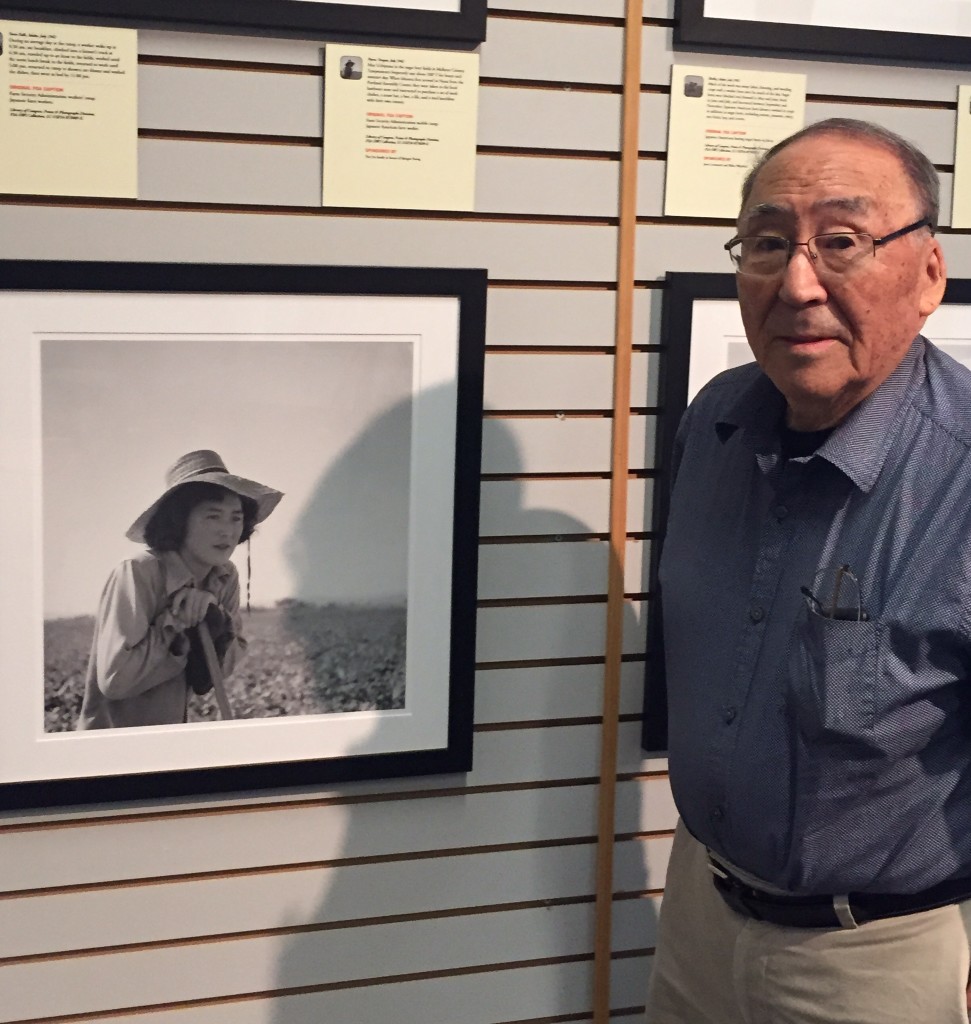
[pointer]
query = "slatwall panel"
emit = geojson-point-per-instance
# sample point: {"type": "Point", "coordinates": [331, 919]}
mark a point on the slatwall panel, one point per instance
{"type": "Point", "coordinates": [451, 898]}
{"type": "Point", "coordinates": [918, 103]}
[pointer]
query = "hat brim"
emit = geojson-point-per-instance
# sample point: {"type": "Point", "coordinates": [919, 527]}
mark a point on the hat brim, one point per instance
{"type": "Point", "coordinates": [266, 498]}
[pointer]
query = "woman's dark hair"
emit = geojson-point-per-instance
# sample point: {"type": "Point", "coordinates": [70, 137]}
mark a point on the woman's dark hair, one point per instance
{"type": "Point", "coordinates": [166, 529]}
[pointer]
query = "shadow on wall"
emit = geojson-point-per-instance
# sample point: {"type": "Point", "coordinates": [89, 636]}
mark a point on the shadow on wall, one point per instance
{"type": "Point", "coordinates": [384, 929]}
{"type": "Point", "coordinates": [350, 540]}
{"type": "Point", "coordinates": [348, 558]}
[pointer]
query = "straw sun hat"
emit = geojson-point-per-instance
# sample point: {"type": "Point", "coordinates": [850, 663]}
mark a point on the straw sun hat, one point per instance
{"type": "Point", "coordinates": [206, 466]}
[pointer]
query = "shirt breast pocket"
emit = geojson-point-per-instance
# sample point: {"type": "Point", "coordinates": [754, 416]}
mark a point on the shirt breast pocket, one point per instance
{"type": "Point", "coordinates": [833, 669]}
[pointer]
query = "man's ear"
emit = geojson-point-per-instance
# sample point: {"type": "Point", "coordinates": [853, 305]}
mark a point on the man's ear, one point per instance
{"type": "Point", "coordinates": [935, 279]}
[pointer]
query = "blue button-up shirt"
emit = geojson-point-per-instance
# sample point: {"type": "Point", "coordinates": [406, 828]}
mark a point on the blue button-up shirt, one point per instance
{"type": "Point", "coordinates": [821, 754]}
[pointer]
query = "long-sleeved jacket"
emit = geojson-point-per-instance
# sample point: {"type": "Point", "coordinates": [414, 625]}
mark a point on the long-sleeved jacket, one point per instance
{"type": "Point", "coordinates": [136, 670]}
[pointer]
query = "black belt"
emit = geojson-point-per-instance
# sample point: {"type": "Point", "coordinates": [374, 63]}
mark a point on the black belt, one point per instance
{"type": "Point", "coordinates": [847, 911]}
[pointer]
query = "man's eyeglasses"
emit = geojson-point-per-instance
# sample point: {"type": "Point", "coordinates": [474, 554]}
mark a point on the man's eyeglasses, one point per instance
{"type": "Point", "coordinates": [765, 255]}
{"type": "Point", "coordinates": [844, 602]}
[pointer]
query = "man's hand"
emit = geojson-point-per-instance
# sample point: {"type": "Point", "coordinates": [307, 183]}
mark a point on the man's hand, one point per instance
{"type": "Point", "coordinates": [190, 604]}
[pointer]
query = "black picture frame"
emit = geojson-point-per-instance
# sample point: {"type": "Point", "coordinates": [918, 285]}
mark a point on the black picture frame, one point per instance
{"type": "Point", "coordinates": [696, 31]}
{"type": "Point", "coordinates": [277, 17]}
{"type": "Point", "coordinates": [683, 291]}
{"type": "Point", "coordinates": [440, 313]}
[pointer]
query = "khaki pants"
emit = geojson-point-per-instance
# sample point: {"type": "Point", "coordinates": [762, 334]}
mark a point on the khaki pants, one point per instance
{"type": "Point", "coordinates": [714, 966]}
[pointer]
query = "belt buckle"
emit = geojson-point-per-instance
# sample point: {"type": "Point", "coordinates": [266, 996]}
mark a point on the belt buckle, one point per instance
{"type": "Point", "coordinates": [749, 905]}
{"type": "Point", "coordinates": [733, 892]}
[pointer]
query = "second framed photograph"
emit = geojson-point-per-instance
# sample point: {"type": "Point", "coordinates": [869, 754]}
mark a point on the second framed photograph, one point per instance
{"type": "Point", "coordinates": [240, 539]}
{"type": "Point", "coordinates": [932, 32]}
{"type": "Point", "coordinates": [702, 335]}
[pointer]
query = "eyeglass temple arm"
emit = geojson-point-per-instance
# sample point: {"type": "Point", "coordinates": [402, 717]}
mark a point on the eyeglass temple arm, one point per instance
{"type": "Point", "coordinates": [924, 222]}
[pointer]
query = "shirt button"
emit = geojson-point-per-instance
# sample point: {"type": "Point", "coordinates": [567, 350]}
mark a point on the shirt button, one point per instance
{"type": "Point", "coordinates": [729, 715]}
{"type": "Point", "coordinates": [718, 814]}
{"type": "Point", "coordinates": [781, 512]}
{"type": "Point", "coordinates": [756, 613]}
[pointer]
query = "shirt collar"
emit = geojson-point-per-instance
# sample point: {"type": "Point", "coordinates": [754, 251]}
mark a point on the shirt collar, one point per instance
{"type": "Point", "coordinates": [177, 574]}
{"type": "Point", "coordinates": [858, 446]}
{"type": "Point", "coordinates": [757, 411]}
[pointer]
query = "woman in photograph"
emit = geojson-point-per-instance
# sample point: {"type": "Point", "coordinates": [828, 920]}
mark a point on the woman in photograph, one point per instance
{"type": "Point", "coordinates": [147, 652]}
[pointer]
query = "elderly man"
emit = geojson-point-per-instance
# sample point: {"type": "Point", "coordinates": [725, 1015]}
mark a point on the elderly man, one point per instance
{"type": "Point", "coordinates": [816, 579]}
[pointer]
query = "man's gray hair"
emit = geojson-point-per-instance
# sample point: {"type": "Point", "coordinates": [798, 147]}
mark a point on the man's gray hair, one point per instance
{"type": "Point", "coordinates": [920, 171]}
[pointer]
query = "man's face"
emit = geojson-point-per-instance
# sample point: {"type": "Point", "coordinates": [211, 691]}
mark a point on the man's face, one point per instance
{"type": "Point", "coordinates": [827, 340]}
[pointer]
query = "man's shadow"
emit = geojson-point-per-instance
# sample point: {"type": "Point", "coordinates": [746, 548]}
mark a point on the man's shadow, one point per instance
{"type": "Point", "coordinates": [415, 871]}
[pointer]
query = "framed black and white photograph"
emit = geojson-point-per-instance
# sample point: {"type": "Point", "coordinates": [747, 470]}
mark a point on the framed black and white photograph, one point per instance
{"type": "Point", "coordinates": [702, 335]}
{"type": "Point", "coordinates": [936, 31]}
{"type": "Point", "coordinates": [335, 413]}
{"type": "Point", "coordinates": [462, 21]}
